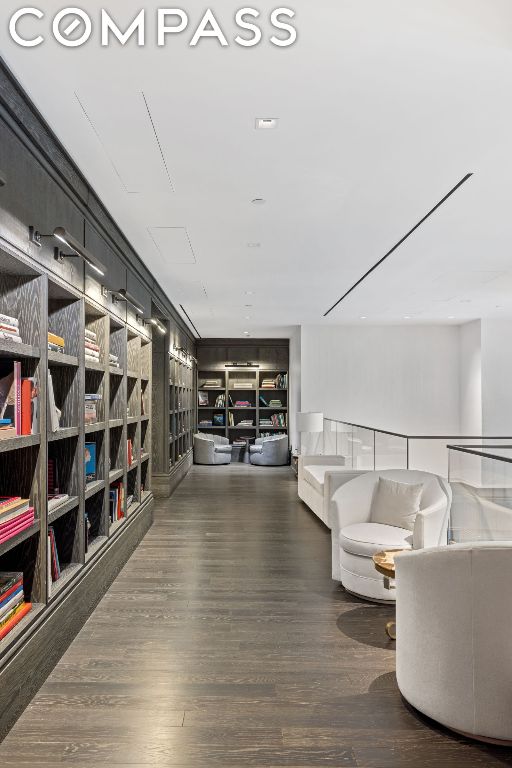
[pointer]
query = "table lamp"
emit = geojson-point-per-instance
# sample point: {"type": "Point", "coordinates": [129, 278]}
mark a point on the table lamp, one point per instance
{"type": "Point", "coordinates": [310, 424]}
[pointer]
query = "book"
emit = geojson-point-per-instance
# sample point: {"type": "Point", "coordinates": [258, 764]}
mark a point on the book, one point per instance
{"type": "Point", "coordinates": [90, 462]}
{"type": "Point", "coordinates": [6, 336]}
{"type": "Point", "coordinates": [55, 340]}
{"type": "Point", "coordinates": [10, 513]}
{"type": "Point", "coordinates": [9, 592]}
{"type": "Point", "coordinates": [90, 335]}
{"type": "Point", "coordinates": [9, 580]}
{"type": "Point", "coordinates": [129, 452]}
{"type": "Point", "coordinates": [7, 320]}
{"type": "Point", "coordinates": [10, 602]}
{"type": "Point", "coordinates": [54, 555]}
{"type": "Point", "coordinates": [26, 407]}
{"type": "Point", "coordinates": [12, 329]}
{"type": "Point", "coordinates": [16, 528]}
{"type": "Point", "coordinates": [18, 616]}
{"type": "Point", "coordinates": [55, 348]}
{"type": "Point", "coordinates": [218, 419]}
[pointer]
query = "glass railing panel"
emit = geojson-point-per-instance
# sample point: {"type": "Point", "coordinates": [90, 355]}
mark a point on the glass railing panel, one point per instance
{"type": "Point", "coordinates": [362, 447]}
{"type": "Point", "coordinates": [330, 437]}
{"type": "Point", "coordinates": [481, 482]}
{"type": "Point", "coordinates": [390, 451]}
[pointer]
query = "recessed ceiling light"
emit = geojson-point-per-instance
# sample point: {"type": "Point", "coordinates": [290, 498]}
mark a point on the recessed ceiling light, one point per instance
{"type": "Point", "coordinates": [407, 317]}
{"type": "Point", "coordinates": [249, 293]}
{"type": "Point", "coordinates": [363, 317]}
{"type": "Point", "coordinates": [451, 317]}
{"type": "Point", "coordinates": [258, 201]}
{"type": "Point", "coordinates": [266, 123]}
{"type": "Point", "coordinates": [465, 301]}
{"type": "Point", "coordinates": [247, 317]}
{"type": "Point", "coordinates": [246, 333]}
{"type": "Point", "coordinates": [254, 245]}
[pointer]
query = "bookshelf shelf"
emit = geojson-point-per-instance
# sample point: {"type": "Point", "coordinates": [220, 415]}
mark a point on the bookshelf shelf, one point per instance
{"type": "Point", "coordinates": [67, 575]}
{"type": "Point", "coordinates": [144, 419]}
{"type": "Point", "coordinates": [114, 423]}
{"type": "Point", "coordinates": [115, 474]}
{"type": "Point", "coordinates": [91, 429]}
{"type": "Point", "coordinates": [133, 375]}
{"type": "Point", "coordinates": [63, 434]}
{"type": "Point", "coordinates": [16, 350]}
{"type": "Point", "coordinates": [144, 457]}
{"type": "Point", "coordinates": [91, 489]}
{"type": "Point", "coordinates": [17, 443]}
{"type": "Point", "coordinates": [92, 366]}
{"type": "Point", "coordinates": [20, 538]}
{"type": "Point", "coordinates": [59, 360]}
{"type": "Point", "coordinates": [114, 371]}
{"type": "Point", "coordinates": [116, 525]}
{"type": "Point", "coordinates": [63, 509]}
{"type": "Point", "coordinates": [95, 545]}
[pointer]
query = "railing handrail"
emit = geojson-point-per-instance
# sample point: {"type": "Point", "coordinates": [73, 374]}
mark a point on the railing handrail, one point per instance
{"type": "Point", "coordinates": [421, 437]}
{"type": "Point", "coordinates": [478, 450]}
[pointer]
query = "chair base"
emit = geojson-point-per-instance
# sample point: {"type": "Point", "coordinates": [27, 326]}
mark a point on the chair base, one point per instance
{"type": "Point", "coordinates": [471, 736]}
{"type": "Point", "coordinates": [369, 599]}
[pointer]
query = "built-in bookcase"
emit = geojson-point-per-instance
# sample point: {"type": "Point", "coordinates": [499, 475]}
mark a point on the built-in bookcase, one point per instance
{"type": "Point", "coordinates": [81, 525]}
{"type": "Point", "coordinates": [247, 397]}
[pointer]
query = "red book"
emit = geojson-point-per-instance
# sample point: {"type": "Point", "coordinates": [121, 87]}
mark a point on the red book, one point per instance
{"type": "Point", "coordinates": [15, 620]}
{"type": "Point", "coordinates": [7, 535]}
{"type": "Point", "coordinates": [26, 407]}
{"type": "Point", "coordinates": [22, 517]}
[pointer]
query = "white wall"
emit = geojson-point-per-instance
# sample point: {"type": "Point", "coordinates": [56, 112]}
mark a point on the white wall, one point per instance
{"type": "Point", "coordinates": [400, 378]}
{"type": "Point", "coordinates": [470, 379]}
{"type": "Point", "coordinates": [497, 377]}
{"type": "Point", "coordinates": [295, 386]}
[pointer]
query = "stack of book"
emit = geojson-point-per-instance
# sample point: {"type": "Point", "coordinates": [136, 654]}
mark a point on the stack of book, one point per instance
{"type": "Point", "coordinates": [279, 382]}
{"type": "Point", "coordinates": [16, 515]}
{"type": "Point", "coordinates": [116, 502]}
{"type": "Point", "coordinates": [242, 384]}
{"type": "Point", "coordinates": [12, 602]}
{"type": "Point", "coordinates": [264, 422]}
{"type": "Point", "coordinates": [55, 343]}
{"type": "Point", "coordinates": [54, 569]}
{"type": "Point", "coordinates": [91, 408]}
{"type": "Point", "coordinates": [19, 413]}
{"type": "Point", "coordinates": [10, 329]}
{"type": "Point", "coordinates": [242, 404]}
{"type": "Point", "coordinates": [129, 451]}
{"type": "Point", "coordinates": [113, 360]}
{"type": "Point", "coordinates": [275, 404]}
{"type": "Point", "coordinates": [92, 351]}
{"type": "Point", "coordinates": [212, 384]}
{"type": "Point", "coordinates": [246, 423]}
{"type": "Point", "coordinates": [204, 423]}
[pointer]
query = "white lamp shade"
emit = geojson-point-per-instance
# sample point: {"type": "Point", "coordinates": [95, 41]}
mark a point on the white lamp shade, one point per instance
{"type": "Point", "coordinates": [310, 422]}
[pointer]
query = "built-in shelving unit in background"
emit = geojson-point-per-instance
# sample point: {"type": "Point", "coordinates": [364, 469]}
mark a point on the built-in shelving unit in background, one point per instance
{"type": "Point", "coordinates": [224, 378]}
{"type": "Point", "coordinates": [82, 525]}
{"type": "Point", "coordinates": [242, 385]}
{"type": "Point", "coordinates": [174, 396]}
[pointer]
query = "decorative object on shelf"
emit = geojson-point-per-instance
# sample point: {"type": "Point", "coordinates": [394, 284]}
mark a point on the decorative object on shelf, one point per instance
{"type": "Point", "coordinates": [91, 409]}
{"type": "Point", "coordinates": [310, 424]}
{"type": "Point", "coordinates": [202, 399]}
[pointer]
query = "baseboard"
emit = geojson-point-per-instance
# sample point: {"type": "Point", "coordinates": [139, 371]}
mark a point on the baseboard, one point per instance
{"type": "Point", "coordinates": [30, 664]}
{"type": "Point", "coordinates": [164, 485]}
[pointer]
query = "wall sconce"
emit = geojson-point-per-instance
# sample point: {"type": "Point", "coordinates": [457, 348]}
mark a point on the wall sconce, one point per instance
{"type": "Point", "coordinates": [152, 321]}
{"type": "Point", "coordinates": [123, 295]}
{"type": "Point", "coordinates": [69, 241]}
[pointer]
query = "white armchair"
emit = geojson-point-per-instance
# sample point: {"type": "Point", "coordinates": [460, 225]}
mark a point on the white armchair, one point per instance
{"type": "Point", "coordinates": [211, 449]}
{"type": "Point", "coordinates": [355, 538]}
{"type": "Point", "coordinates": [453, 660]}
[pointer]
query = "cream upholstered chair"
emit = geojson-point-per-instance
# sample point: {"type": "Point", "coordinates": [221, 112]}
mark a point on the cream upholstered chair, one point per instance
{"type": "Point", "coordinates": [270, 451]}
{"type": "Point", "coordinates": [453, 652]}
{"type": "Point", "coordinates": [355, 538]}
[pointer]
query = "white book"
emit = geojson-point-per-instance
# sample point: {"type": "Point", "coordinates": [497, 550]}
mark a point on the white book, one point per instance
{"type": "Point", "coordinates": [90, 335]}
{"type": "Point", "coordinates": [6, 336]}
{"type": "Point", "coordinates": [49, 567]}
{"type": "Point", "coordinates": [6, 320]}
{"type": "Point", "coordinates": [55, 414]}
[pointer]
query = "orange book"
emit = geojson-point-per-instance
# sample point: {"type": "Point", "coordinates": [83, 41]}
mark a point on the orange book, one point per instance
{"type": "Point", "coordinates": [26, 407]}
{"type": "Point", "coordinates": [15, 620]}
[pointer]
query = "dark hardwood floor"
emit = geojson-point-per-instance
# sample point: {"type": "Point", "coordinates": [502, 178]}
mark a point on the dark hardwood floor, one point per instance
{"type": "Point", "coordinates": [225, 643]}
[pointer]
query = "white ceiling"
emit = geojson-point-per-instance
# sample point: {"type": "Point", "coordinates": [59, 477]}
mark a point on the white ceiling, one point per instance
{"type": "Point", "coordinates": [383, 106]}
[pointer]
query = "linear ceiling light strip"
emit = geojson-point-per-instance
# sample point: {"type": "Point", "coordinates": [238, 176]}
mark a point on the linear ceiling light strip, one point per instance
{"type": "Point", "coordinates": [190, 321]}
{"type": "Point", "coordinates": [404, 238]}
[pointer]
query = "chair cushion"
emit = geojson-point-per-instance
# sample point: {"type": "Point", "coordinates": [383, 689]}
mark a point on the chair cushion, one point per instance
{"type": "Point", "coordinates": [223, 448]}
{"type": "Point", "coordinates": [396, 504]}
{"type": "Point", "coordinates": [314, 474]}
{"type": "Point", "coordinates": [256, 449]}
{"type": "Point", "coordinates": [365, 539]}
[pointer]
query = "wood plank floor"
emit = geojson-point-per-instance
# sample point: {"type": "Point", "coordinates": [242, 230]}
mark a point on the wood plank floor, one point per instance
{"type": "Point", "coordinates": [224, 642]}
